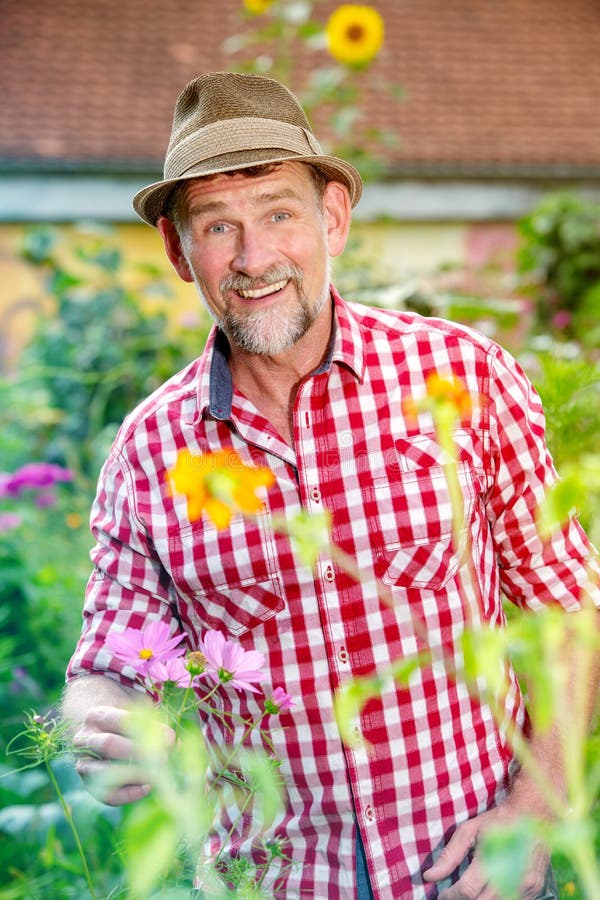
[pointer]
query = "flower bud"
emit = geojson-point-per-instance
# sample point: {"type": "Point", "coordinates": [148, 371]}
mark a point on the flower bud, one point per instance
{"type": "Point", "coordinates": [196, 662]}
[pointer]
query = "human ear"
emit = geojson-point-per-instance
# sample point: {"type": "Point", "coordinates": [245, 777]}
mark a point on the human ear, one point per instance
{"type": "Point", "coordinates": [337, 211]}
{"type": "Point", "coordinates": [173, 248]}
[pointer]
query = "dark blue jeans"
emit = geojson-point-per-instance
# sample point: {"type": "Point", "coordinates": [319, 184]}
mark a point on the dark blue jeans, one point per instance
{"type": "Point", "coordinates": [362, 876]}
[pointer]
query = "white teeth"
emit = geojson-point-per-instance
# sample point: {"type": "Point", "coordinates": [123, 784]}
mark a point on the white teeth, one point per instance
{"type": "Point", "coordinates": [262, 292]}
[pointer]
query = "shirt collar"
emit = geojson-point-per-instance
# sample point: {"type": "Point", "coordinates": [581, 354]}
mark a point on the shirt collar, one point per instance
{"type": "Point", "coordinates": [215, 388]}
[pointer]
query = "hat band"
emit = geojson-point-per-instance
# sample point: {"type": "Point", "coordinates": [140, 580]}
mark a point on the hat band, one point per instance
{"type": "Point", "coordinates": [234, 135]}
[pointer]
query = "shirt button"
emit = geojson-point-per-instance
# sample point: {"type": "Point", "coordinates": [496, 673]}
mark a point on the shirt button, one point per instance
{"type": "Point", "coordinates": [315, 494]}
{"type": "Point", "coordinates": [329, 574]}
{"type": "Point", "coordinates": [343, 655]}
{"type": "Point", "coordinates": [369, 814]}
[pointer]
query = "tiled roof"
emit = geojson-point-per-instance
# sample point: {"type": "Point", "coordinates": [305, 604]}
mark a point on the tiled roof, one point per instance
{"type": "Point", "coordinates": [491, 85]}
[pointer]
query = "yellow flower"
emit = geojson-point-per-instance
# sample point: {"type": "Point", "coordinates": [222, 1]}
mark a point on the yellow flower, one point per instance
{"type": "Point", "coordinates": [257, 7]}
{"type": "Point", "coordinates": [450, 390]}
{"type": "Point", "coordinates": [218, 484]}
{"type": "Point", "coordinates": [354, 34]}
{"type": "Point", "coordinates": [73, 520]}
{"type": "Point", "coordinates": [441, 393]}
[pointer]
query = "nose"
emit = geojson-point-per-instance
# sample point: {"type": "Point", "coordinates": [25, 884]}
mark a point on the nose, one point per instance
{"type": "Point", "coordinates": [252, 253]}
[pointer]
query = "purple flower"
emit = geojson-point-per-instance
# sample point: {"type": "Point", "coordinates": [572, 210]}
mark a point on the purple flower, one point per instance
{"type": "Point", "coordinates": [277, 701]}
{"type": "Point", "coordinates": [8, 521]}
{"type": "Point", "coordinates": [143, 648]}
{"type": "Point", "coordinates": [32, 476]}
{"type": "Point", "coordinates": [5, 479]}
{"type": "Point", "coordinates": [227, 662]}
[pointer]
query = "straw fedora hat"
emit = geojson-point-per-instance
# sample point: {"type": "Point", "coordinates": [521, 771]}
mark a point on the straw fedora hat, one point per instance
{"type": "Point", "coordinates": [225, 121]}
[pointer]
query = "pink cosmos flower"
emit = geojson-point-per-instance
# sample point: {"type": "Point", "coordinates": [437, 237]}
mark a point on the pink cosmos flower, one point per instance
{"type": "Point", "coordinates": [144, 647]}
{"type": "Point", "coordinates": [174, 670]}
{"type": "Point", "coordinates": [277, 701]}
{"type": "Point", "coordinates": [227, 662]}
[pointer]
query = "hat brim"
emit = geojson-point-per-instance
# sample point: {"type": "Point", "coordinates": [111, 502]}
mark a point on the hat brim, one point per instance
{"type": "Point", "coordinates": [150, 203]}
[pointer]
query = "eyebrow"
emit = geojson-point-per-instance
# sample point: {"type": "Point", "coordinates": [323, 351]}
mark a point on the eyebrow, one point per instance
{"type": "Point", "coordinates": [219, 206]}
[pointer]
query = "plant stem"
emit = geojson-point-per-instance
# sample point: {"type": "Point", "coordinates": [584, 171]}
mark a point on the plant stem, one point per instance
{"type": "Point", "coordinates": [69, 817]}
{"type": "Point", "coordinates": [586, 862]}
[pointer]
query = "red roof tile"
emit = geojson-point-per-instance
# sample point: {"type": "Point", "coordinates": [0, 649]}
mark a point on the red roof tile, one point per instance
{"type": "Point", "coordinates": [491, 85]}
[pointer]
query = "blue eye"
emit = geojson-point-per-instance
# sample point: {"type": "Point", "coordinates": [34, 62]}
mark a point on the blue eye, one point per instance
{"type": "Point", "coordinates": [280, 216]}
{"type": "Point", "coordinates": [218, 228]}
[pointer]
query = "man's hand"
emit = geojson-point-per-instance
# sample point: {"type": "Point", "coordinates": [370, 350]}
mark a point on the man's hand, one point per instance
{"type": "Point", "coordinates": [106, 757]}
{"type": "Point", "coordinates": [473, 882]}
{"type": "Point", "coordinates": [100, 715]}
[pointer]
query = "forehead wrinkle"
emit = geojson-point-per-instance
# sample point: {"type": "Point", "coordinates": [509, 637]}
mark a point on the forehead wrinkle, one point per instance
{"type": "Point", "coordinates": [205, 207]}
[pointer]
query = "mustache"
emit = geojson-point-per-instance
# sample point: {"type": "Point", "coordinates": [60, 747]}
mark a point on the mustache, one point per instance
{"type": "Point", "coordinates": [272, 275]}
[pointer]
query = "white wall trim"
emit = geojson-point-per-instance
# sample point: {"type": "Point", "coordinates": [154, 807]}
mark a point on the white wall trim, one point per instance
{"type": "Point", "coordinates": [67, 198]}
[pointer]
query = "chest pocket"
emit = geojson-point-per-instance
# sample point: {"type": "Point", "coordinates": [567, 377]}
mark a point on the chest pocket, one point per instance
{"type": "Point", "coordinates": [415, 519]}
{"type": "Point", "coordinates": [227, 579]}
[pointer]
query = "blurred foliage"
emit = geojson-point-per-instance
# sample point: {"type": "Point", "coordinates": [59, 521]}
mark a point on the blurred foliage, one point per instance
{"type": "Point", "coordinates": [97, 353]}
{"type": "Point", "coordinates": [37, 851]}
{"type": "Point", "coordinates": [559, 262]}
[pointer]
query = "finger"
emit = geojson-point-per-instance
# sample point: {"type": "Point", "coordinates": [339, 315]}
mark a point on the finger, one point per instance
{"type": "Point", "coordinates": [460, 844]}
{"type": "Point", "coordinates": [472, 883]}
{"type": "Point", "coordinates": [535, 877]}
{"type": "Point", "coordinates": [112, 783]}
{"type": "Point", "coordinates": [111, 719]}
{"type": "Point", "coordinates": [103, 745]}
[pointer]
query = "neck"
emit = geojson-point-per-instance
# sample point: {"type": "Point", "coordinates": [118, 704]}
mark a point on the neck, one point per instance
{"type": "Point", "coordinates": [272, 382]}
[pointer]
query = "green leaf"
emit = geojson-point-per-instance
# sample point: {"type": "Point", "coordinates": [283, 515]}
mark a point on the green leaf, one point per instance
{"type": "Point", "coordinates": [150, 841]}
{"type": "Point", "coordinates": [559, 504]}
{"type": "Point", "coordinates": [38, 245]}
{"type": "Point", "coordinates": [505, 855]}
{"type": "Point", "coordinates": [404, 668]}
{"type": "Point", "coordinates": [484, 653]}
{"type": "Point", "coordinates": [265, 780]}
{"type": "Point", "coordinates": [348, 704]}
{"type": "Point", "coordinates": [310, 534]}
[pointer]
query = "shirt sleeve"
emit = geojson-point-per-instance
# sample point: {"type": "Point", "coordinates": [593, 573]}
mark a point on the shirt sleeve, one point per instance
{"type": "Point", "coordinates": [534, 572]}
{"type": "Point", "coordinates": [128, 587]}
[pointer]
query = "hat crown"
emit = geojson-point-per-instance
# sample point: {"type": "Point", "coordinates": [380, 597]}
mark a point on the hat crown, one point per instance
{"type": "Point", "coordinates": [218, 96]}
{"type": "Point", "coordinates": [228, 121]}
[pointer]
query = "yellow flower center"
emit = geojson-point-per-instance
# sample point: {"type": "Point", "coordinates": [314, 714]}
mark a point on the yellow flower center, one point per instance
{"type": "Point", "coordinates": [145, 653]}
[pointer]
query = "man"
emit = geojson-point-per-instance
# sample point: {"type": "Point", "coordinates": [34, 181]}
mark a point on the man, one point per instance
{"type": "Point", "coordinates": [295, 379]}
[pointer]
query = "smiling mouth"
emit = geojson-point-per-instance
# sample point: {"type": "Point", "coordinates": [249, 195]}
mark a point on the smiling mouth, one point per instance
{"type": "Point", "coordinates": [257, 293]}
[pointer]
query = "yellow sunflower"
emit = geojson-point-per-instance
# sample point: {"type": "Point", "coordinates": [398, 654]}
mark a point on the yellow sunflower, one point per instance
{"type": "Point", "coordinates": [354, 34]}
{"type": "Point", "coordinates": [257, 7]}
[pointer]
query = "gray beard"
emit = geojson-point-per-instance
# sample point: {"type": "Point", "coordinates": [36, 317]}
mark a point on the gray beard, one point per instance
{"type": "Point", "coordinates": [270, 331]}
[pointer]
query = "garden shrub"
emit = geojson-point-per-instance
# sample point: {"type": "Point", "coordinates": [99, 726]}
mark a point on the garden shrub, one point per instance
{"type": "Point", "coordinates": [559, 263]}
{"type": "Point", "coordinates": [99, 351]}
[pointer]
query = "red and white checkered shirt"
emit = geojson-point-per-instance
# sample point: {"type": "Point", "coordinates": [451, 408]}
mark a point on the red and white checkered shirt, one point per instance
{"type": "Point", "coordinates": [436, 756]}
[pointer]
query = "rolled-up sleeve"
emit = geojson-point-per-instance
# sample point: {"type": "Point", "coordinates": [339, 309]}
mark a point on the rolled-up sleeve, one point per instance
{"type": "Point", "coordinates": [128, 587]}
{"type": "Point", "coordinates": [534, 571]}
